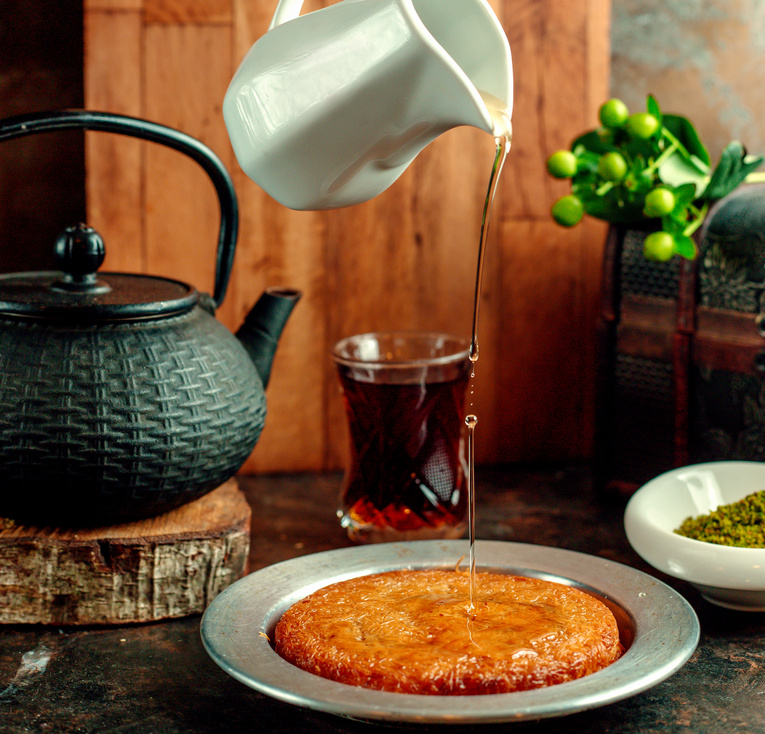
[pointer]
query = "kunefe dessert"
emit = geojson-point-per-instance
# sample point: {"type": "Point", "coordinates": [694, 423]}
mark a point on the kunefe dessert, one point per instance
{"type": "Point", "coordinates": [410, 631]}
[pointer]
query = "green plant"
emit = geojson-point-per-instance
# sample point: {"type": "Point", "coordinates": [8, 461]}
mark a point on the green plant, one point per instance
{"type": "Point", "coordinates": [648, 167]}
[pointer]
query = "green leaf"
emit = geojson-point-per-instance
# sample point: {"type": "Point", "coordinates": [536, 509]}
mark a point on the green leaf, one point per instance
{"type": "Point", "coordinates": [587, 162]}
{"type": "Point", "coordinates": [641, 151]}
{"type": "Point", "coordinates": [612, 207]}
{"type": "Point", "coordinates": [685, 246]}
{"type": "Point", "coordinates": [734, 166]}
{"type": "Point", "coordinates": [684, 196]}
{"type": "Point", "coordinates": [673, 225]}
{"type": "Point", "coordinates": [678, 170]}
{"type": "Point", "coordinates": [652, 107]}
{"type": "Point", "coordinates": [684, 131]}
{"type": "Point", "coordinates": [594, 142]}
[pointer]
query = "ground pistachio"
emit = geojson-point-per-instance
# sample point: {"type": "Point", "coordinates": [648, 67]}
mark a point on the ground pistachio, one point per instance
{"type": "Point", "coordinates": [740, 524]}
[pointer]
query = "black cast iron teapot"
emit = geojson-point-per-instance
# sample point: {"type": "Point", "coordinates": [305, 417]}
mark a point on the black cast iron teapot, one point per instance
{"type": "Point", "coordinates": [121, 395]}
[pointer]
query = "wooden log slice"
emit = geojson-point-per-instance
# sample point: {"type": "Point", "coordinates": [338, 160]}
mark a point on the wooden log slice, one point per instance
{"type": "Point", "coordinates": [168, 566]}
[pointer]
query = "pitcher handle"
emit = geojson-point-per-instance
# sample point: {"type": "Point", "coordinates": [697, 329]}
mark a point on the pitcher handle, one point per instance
{"type": "Point", "coordinates": [39, 122]}
{"type": "Point", "coordinates": [286, 10]}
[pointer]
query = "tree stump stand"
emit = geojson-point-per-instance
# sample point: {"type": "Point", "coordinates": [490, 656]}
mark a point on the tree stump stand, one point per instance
{"type": "Point", "coordinates": [168, 566]}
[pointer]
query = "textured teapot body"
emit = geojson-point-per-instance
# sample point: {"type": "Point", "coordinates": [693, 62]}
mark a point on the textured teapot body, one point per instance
{"type": "Point", "coordinates": [329, 108]}
{"type": "Point", "coordinates": [109, 423]}
{"type": "Point", "coordinates": [121, 396]}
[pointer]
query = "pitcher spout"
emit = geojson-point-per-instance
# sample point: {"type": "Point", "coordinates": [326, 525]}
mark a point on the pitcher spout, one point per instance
{"type": "Point", "coordinates": [476, 68]}
{"type": "Point", "coordinates": [263, 325]}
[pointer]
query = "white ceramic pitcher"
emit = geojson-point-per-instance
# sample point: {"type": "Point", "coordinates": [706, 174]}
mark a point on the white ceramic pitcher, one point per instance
{"type": "Point", "coordinates": [328, 109]}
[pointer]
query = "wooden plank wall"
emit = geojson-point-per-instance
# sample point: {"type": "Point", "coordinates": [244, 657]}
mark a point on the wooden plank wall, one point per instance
{"type": "Point", "coordinates": [404, 260]}
{"type": "Point", "coordinates": [40, 175]}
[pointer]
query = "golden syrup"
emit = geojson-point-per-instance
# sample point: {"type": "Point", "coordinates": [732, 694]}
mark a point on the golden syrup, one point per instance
{"type": "Point", "coordinates": [502, 136]}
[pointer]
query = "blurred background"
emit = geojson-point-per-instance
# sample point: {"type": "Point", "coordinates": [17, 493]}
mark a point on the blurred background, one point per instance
{"type": "Point", "coordinates": [404, 260]}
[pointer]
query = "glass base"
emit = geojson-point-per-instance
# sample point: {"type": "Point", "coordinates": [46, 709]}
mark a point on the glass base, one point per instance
{"type": "Point", "coordinates": [374, 534]}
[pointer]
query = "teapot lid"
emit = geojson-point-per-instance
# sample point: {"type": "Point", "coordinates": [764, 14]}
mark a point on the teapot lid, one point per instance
{"type": "Point", "coordinates": [79, 292]}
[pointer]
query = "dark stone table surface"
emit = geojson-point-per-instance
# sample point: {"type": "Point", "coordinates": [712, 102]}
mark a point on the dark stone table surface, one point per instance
{"type": "Point", "coordinates": [157, 679]}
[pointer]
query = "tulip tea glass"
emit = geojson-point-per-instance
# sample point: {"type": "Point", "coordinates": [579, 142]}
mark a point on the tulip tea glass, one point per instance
{"type": "Point", "coordinates": [404, 395]}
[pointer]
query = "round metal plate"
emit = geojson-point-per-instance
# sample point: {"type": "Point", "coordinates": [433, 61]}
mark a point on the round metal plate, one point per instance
{"type": "Point", "coordinates": [658, 627]}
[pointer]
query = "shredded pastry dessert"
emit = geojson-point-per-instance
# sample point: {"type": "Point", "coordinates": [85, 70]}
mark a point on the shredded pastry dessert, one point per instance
{"type": "Point", "coordinates": [411, 631]}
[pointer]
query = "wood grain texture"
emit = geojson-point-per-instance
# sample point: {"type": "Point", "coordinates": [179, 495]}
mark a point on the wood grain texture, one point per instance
{"type": "Point", "coordinates": [41, 176]}
{"type": "Point", "coordinates": [167, 566]}
{"type": "Point", "coordinates": [183, 12]}
{"type": "Point", "coordinates": [114, 163]}
{"type": "Point", "coordinates": [405, 260]}
{"type": "Point", "coordinates": [111, 5]}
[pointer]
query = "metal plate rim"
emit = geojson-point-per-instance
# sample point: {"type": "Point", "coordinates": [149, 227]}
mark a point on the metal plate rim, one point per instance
{"type": "Point", "coordinates": [234, 628]}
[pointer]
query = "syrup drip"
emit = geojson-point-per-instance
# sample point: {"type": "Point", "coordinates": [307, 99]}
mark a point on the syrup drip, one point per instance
{"type": "Point", "coordinates": [502, 136]}
{"type": "Point", "coordinates": [471, 421]}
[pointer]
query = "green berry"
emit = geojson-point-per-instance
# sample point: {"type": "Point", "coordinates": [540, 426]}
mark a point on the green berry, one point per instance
{"type": "Point", "coordinates": [658, 202]}
{"type": "Point", "coordinates": [612, 166]}
{"type": "Point", "coordinates": [642, 125]}
{"type": "Point", "coordinates": [613, 113]}
{"type": "Point", "coordinates": [562, 164]}
{"type": "Point", "coordinates": [659, 246]}
{"type": "Point", "coordinates": [568, 210]}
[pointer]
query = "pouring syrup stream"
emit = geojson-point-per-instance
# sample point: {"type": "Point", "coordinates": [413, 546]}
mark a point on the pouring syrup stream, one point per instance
{"type": "Point", "coordinates": [502, 137]}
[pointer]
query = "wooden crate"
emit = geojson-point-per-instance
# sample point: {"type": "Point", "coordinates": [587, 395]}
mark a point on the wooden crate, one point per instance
{"type": "Point", "coordinates": [404, 260]}
{"type": "Point", "coordinates": [645, 335]}
{"type": "Point", "coordinates": [727, 369]}
{"type": "Point", "coordinates": [682, 349]}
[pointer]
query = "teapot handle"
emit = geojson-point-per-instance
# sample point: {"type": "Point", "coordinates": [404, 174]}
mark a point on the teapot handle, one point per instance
{"type": "Point", "coordinates": [285, 10]}
{"type": "Point", "coordinates": [21, 125]}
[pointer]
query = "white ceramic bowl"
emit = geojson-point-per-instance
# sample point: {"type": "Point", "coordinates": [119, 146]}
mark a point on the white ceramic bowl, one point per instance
{"type": "Point", "coordinates": [727, 576]}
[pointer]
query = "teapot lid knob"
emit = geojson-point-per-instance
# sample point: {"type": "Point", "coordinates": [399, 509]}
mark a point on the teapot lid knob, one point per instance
{"type": "Point", "coordinates": [78, 292]}
{"type": "Point", "coordinates": [80, 252]}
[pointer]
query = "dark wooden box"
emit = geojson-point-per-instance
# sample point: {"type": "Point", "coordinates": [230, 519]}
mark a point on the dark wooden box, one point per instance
{"type": "Point", "coordinates": [682, 349]}
{"type": "Point", "coordinates": [727, 389]}
{"type": "Point", "coordinates": [643, 334]}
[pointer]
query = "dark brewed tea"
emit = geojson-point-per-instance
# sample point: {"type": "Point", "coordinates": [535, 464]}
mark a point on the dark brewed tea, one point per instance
{"type": "Point", "coordinates": [407, 465]}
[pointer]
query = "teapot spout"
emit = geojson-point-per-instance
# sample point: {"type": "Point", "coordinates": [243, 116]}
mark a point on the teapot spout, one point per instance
{"type": "Point", "coordinates": [263, 325]}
